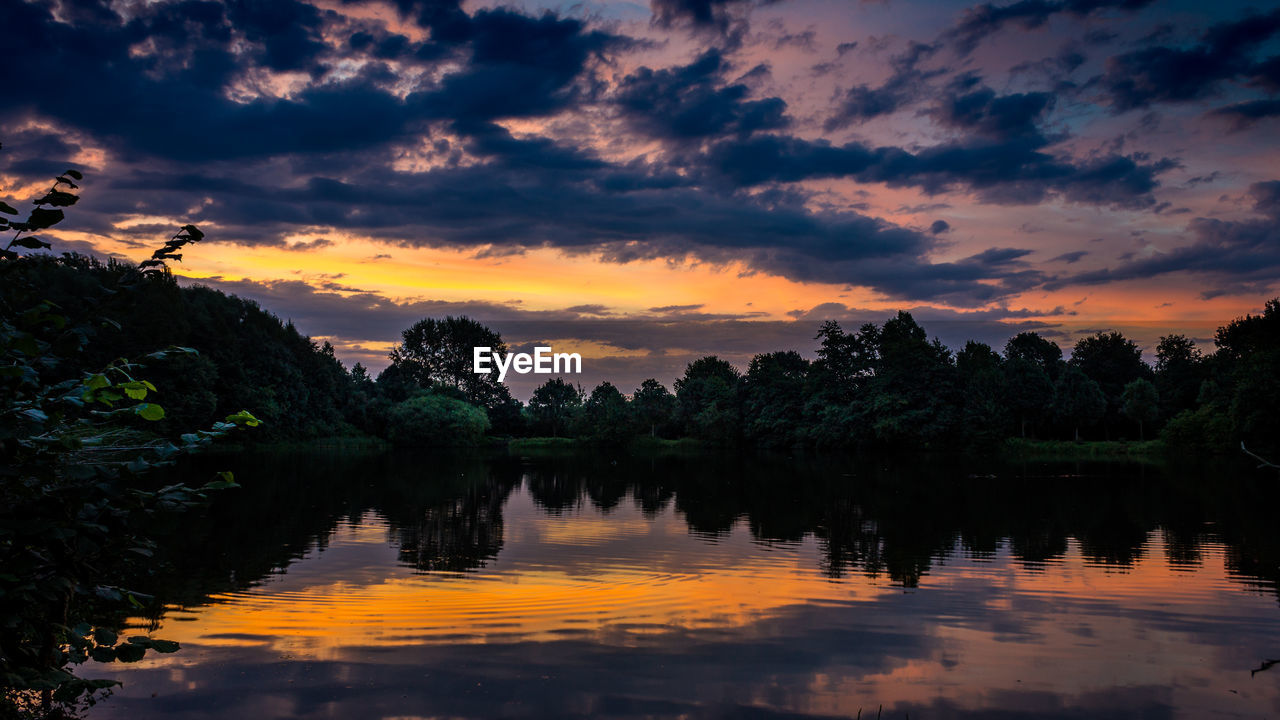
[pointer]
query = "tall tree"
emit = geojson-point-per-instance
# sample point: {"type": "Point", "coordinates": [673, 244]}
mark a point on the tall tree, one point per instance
{"type": "Point", "coordinates": [1140, 402]}
{"type": "Point", "coordinates": [442, 352]}
{"type": "Point", "coordinates": [773, 398]}
{"type": "Point", "coordinates": [1180, 370]}
{"type": "Point", "coordinates": [707, 400]}
{"type": "Point", "coordinates": [1249, 365]}
{"type": "Point", "coordinates": [554, 404]}
{"type": "Point", "coordinates": [605, 416]}
{"type": "Point", "coordinates": [913, 394]}
{"type": "Point", "coordinates": [653, 405]}
{"type": "Point", "coordinates": [1079, 400]}
{"type": "Point", "coordinates": [1028, 391]}
{"type": "Point", "coordinates": [985, 410]}
{"type": "Point", "coordinates": [1113, 361]}
{"type": "Point", "coordinates": [1029, 346]}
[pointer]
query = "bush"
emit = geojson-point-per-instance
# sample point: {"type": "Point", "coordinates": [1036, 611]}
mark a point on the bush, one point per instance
{"type": "Point", "coordinates": [1203, 429]}
{"type": "Point", "coordinates": [436, 420]}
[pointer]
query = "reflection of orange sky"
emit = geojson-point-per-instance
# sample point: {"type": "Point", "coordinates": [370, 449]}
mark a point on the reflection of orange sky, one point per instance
{"type": "Point", "coordinates": [978, 628]}
{"type": "Point", "coordinates": [623, 575]}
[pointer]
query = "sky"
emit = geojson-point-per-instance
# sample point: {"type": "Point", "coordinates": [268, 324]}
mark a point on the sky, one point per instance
{"type": "Point", "coordinates": [647, 183]}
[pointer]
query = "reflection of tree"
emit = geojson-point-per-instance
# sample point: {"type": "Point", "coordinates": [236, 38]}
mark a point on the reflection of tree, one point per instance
{"type": "Point", "coordinates": [890, 519]}
{"type": "Point", "coordinates": [457, 534]}
{"type": "Point", "coordinates": [555, 489]}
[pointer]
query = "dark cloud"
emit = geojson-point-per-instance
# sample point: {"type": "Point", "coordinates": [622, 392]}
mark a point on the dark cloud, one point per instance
{"type": "Point", "coordinates": [286, 33]}
{"type": "Point", "coordinates": [977, 109]}
{"type": "Point", "coordinates": [1016, 171]}
{"type": "Point", "coordinates": [1244, 115]}
{"type": "Point", "coordinates": [1070, 258]}
{"type": "Point", "coordinates": [694, 101]}
{"type": "Point", "coordinates": [173, 104]}
{"type": "Point", "coordinates": [983, 20]}
{"type": "Point", "coordinates": [904, 86]}
{"type": "Point", "coordinates": [939, 226]}
{"type": "Point", "coordinates": [1175, 74]}
{"type": "Point", "coordinates": [1238, 255]}
{"type": "Point", "coordinates": [715, 15]}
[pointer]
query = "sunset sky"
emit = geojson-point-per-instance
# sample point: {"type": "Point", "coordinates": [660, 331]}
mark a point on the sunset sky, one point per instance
{"type": "Point", "coordinates": [648, 183]}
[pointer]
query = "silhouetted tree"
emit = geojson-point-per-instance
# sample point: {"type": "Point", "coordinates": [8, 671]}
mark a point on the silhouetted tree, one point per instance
{"type": "Point", "coordinates": [985, 412]}
{"type": "Point", "coordinates": [773, 398]}
{"type": "Point", "coordinates": [1248, 360]}
{"type": "Point", "coordinates": [1029, 346]}
{"type": "Point", "coordinates": [913, 393]}
{"type": "Point", "coordinates": [605, 418]}
{"type": "Point", "coordinates": [1113, 361]}
{"type": "Point", "coordinates": [1078, 400]}
{"type": "Point", "coordinates": [1140, 402]}
{"type": "Point", "coordinates": [554, 404]}
{"type": "Point", "coordinates": [707, 400]}
{"type": "Point", "coordinates": [1028, 391]}
{"type": "Point", "coordinates": [653, 406]}
{"type": "Point", "coordinates": [441, 352]}
{"type": "Point", "coordinates": [1179, 372]}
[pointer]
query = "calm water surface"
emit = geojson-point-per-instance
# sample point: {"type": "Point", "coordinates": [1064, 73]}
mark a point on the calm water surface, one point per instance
{"type": "Point", "coordinates": [413, 586]}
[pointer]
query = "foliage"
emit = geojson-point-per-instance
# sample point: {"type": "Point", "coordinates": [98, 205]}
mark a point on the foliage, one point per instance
{"type": "Point", "coordinates": [1028, 392]}
{"type": "Point", "coordinates": [1180, 370]}
{"type": "Point", "coordinates": [1078, 399]}
{"type": "Point", "coordinates": [554, 405]}
{"type": "Point", "coordinates": [707, 400]}
{"type": "Point", "coordinates": [1140, 402]}
{"type": "Point", "coordinates": [436, 419]}
{"type": "Point", "coordinates": [985, 408]}
{"type": "Point", "coordinates": [1113, 361]}
{"type": "Point", "coordinates": [246, 358]}
{"type": "Point", "coordinates": [72, 521]}
{"type": "Point", "coordinates": [605, 417]}
{"type": "Point", "coordinates": [654, 407]}
{"type": "Point", "coordinates": [773, 399]}
{"type": "Point", "coordinates": [1030, 347]}
{"type": "Point", "coordinates": [441, 352]}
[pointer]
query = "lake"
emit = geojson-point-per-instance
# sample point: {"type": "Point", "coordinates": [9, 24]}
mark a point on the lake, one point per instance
{"type": "Point", "coordinates": [416, 585]}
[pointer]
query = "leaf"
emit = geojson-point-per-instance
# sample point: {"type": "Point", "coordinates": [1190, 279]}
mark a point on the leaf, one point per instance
{"type": "Point", "coordinates": [42, 218]}
{"type": "Point", "coordinates": [196, 235]}
{"type": "Point", "coordinates": [134, 389]}
{"type": "Point", "coordinates": [105, 636]}
{"type": "Point", "coordinates": [150, 411]}
{"type": "Point", "coordinates": [244, 417]}
{"type": "Point", "coordinates": [130, 653]}
{"type": "Point", "coordinates": [75, 174]}
{"type": "Point", "coordinates": [58, 198]}
{"type": "Point", "coordinates": [29, 241]}
{"type": "Point", "coordinates": [8, 209]}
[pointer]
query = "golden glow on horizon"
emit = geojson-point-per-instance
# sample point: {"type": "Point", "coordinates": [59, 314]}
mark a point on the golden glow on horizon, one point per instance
{"type": "Point", "coordinates": [544, 279]}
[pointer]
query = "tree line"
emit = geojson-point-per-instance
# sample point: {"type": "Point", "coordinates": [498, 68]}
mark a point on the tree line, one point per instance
{"type": "Point", "coordinates": [883, 385]}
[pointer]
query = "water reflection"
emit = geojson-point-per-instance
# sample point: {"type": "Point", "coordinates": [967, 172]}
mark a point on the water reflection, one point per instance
{"type": "Point", "coordinates": [471, 586]}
